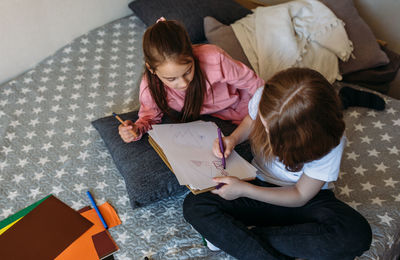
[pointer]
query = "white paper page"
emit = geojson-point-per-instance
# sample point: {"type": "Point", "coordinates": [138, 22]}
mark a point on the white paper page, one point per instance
{"type": "Point", "coordinates": [180, 133]}
{"type": "Point", "coordinates": [188, 148]}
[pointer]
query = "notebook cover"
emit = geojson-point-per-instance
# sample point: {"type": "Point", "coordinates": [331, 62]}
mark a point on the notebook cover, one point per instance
{"type": "Point", "coordinates": [83, 247]}
{"type": "Point", "coordinates": [44, 232]}
{"type": "Point", "coordinates": [104, 244]}
{"type": "Point", "coordinates": [13, 218]}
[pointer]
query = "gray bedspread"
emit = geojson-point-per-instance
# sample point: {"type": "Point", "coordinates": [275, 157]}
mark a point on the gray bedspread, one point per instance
{"type": "Point", "coordinates": [48, 145]}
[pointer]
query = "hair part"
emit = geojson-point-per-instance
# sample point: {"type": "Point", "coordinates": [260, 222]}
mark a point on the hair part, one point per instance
{"type": "Point", "coordinates": [169, 40]}
{"type": "Point", "coordinates": [303, 116]}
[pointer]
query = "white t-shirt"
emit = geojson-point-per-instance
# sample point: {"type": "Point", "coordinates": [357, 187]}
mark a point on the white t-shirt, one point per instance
{"type": "Point", "coordinates": [325, 169]}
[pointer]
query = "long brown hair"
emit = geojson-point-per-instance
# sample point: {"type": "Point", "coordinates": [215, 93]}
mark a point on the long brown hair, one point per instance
{"type": "Point", "coordinates": [303, 117]}
{"type": "Point", "coordinates": [169, 40]}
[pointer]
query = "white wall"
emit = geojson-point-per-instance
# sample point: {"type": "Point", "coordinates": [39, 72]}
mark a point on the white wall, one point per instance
{"type": "Point", "coordinates": [383, 17]}
{"type": "Point", "coordinates": [31, 30]}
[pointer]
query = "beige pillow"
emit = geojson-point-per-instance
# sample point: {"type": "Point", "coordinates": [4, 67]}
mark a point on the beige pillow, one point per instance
{"type": "Point", "coordinates": [223, 36]}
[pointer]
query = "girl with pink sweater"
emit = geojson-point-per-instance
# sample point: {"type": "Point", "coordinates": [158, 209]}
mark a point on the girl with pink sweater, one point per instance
{"type": "Point", "coordinates": [192, 80]}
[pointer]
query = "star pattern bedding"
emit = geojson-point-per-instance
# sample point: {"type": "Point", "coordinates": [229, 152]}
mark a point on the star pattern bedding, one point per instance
{"type": "Point", "coordinates": [49, 146]}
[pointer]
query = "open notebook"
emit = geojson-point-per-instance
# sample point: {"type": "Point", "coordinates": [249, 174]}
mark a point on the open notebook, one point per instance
{"type": "Point", "coordinates": [186, 149]}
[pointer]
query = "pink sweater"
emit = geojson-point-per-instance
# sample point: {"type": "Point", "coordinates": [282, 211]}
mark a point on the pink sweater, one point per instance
{"type": "Point", "coordinates": [232, 83]}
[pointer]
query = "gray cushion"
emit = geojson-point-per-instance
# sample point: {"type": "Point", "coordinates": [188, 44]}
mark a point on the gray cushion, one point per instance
{"type": "Point", "coordinates": [223, 36]}
{"type": "Point", "coordinates": [146, 176]}
{"type": "Point", "coordinates": [189, 12]}
{"type": "Point", "coordinates": [366, 49]}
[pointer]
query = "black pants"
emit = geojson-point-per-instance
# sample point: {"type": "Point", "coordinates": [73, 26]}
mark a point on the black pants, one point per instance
{"type": "Point", "coordinates": [324, 228]}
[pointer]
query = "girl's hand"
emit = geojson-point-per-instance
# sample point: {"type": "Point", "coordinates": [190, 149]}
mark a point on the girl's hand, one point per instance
{"type": "Point", "coordinates": [229, 144]}
{"type": "Point", "coordinates": [232, 188]}
{"type": "Point", "coordinates": [127, 130]}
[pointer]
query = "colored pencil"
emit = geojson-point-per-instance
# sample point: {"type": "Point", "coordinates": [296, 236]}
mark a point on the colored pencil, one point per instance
{"type": "Point", "coordinates": [221, 147]}
{"type": "Point", "coordinates": [122, 122]}
{"type": "Point", "coordinates": [97, 209]}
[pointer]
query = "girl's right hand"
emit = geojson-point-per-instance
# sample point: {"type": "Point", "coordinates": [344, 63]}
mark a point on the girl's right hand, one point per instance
{"type": "Point", "coordinates": [127, 129]}
{"type": "Point", "coordinates": [229, 144]}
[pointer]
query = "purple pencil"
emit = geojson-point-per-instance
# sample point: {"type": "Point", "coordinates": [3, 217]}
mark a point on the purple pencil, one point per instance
{"type": "Point", "coordinates": [221, 147]}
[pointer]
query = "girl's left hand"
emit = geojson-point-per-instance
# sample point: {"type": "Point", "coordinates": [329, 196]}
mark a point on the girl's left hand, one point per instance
{"type": "Point", "coordinates": [232, 188]}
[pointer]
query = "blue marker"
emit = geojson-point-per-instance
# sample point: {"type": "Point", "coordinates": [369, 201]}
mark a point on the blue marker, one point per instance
{"type": "Point", "coordinates": [97, 209]}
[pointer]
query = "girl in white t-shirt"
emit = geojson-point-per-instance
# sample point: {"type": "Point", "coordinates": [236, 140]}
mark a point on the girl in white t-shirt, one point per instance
{"type": "Point", "coordinates": [296, 128]}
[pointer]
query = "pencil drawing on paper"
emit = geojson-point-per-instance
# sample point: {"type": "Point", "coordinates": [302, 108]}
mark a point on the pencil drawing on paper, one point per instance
{"type": "Point", "coordinates": [209, 169]}
{"type": "Point", "coordinates": [188, 148]}
{"type": "Point", "coordinates": [218, 165]}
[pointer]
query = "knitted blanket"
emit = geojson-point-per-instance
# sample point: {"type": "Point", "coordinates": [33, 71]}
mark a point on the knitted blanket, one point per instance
{"type": "Point", "coordinates": [301, 33]}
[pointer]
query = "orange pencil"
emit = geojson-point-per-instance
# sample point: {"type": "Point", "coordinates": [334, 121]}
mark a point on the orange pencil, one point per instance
{"type": "Point", "coordinates": [122, 122]}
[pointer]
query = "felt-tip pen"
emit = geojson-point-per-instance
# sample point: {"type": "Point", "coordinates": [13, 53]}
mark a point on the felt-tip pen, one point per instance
{"type": "Point", "coordinates": [221, 147]}
{"type": "Point", "coordinates": [97, 209]}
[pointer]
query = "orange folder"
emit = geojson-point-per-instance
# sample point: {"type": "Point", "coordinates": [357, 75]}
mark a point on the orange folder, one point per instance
{"type": "Point", "coordinates": [83, 247]}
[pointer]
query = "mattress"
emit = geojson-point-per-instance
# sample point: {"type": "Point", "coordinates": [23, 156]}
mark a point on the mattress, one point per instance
{"type": "Point", "coordinates": [48, 146]}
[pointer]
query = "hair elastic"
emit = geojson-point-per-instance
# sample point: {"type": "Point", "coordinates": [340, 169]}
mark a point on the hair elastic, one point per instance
{"type": "Point", "coordinates": [161, 19]}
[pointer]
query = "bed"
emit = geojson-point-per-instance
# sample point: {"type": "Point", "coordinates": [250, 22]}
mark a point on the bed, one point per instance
{"type": "Point", "coordinates": [48, 146]}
